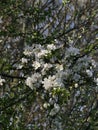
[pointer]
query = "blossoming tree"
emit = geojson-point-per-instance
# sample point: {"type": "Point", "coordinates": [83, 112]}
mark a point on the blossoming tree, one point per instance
{"type": "Point", "coordinates": [48, 65]}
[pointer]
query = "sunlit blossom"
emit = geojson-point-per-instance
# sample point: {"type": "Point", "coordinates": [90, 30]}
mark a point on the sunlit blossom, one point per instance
{"type": "Point", "coordinates": [34, 79]}
{"type": "Point", "coordinates": [51, 47]}
{"type": "Point", "coordinates": [49, 82]}
{"type": "Point", "coordinates": [36, 64]}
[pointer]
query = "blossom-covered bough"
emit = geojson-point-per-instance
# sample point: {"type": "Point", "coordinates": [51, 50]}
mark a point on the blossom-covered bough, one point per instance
{"type": "Point", "coordinates": [49, 65]}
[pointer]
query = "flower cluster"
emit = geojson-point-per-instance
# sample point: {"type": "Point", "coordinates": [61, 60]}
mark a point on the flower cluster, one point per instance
{"type": "Point", "coordinates": [53, 66]}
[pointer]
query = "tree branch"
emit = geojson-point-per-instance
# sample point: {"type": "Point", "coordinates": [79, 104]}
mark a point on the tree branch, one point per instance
{"type": "Point", "coordinates": [12, 76]}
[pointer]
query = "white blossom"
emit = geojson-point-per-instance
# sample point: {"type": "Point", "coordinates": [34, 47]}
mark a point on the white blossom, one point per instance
{"type": "Point", "coordinates": [96, 80]}
{"type": "Point", "coordinates": [43, 52]}
{"type": "Point", "coordinates": [19, 66]}
{"type": "Point", "coordinates": [49, 82]}
{"type": "Point", "coordinates": [30, 81]}
{"type": "Point", "coordinates": [28, 51]}
{"type": "Point", "coordinates": [36, 77]}
{"type": "Point", "coordinates": [76, 85]}
{"type": "Point", "coordinates": [36, 64]}
{"type": "Point", "coordinates": [94, 64]}
{"type": "Point", "coordinates": [51, 47]}
{"type": "Point", "coordinates": [1, 81]}
{"type": "Point", "coordinates": [59, 67]}
{"type": "Point", "coordinates": [45, 105]}
{"type": "Point", "coordinates": [45, 68]}
{"type": "Point", "coordinates": [89, 73]}
{"type": "Point", "coordinates": [24, 60]}
{"type": "Point", "coordinates": [52, 81]}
